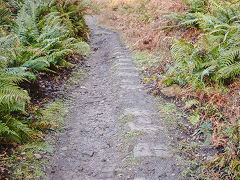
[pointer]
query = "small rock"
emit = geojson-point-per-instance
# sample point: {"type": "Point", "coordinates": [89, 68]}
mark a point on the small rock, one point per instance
{"type": "Point", "coordinates": [89, 153]}
{"type": "Point", "coordinates": [37, 156]}
{"type": "Point", "coordinates": [120, 175]}
{"type": "Point", "coordinates": [64, 148]}
{"type": "Point", "coordinates": [103, 160]}
{"type": "Point", "coordinates": [209, 158]}
{"type": "Point", "coordinates": [142, 150]}
{"type": "Point", "coordinates": [80, 169]}
{"type": "Point", "coordinates": [31, 167]}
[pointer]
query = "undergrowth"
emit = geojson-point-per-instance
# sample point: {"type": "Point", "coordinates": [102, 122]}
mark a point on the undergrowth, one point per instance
{"type": "Point", "coordinates": [209, 65]}
{"type": "Point", "coordinates": [37, 38]}
{"type": "Point", "coordinates": [30, 160]}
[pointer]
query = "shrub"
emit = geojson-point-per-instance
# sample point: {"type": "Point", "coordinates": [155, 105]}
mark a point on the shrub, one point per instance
{"type": "Point", "coordinates": [34, 36]}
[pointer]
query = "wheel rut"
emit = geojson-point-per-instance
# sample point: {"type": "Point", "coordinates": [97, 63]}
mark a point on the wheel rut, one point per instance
{"type": "Point", "coordinates": [114, 131]}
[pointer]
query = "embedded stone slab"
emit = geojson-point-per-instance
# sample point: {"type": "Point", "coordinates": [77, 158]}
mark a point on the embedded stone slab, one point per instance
{"type": "Point", "coordinates": [143, 119]}
{"type": "Point", "coordinates": [131, 87]}
{"type": "Point", "coordinates": [140, 178]}
{"type": "Point", "coordinates": [142, 127]}
{"type": "Point", "coordinates": [128, 74]}
{"type": "Point", "coordinates": [142, 150]}
{"type": "Point", "coordinates": [162, 151]}
{"type": "Point", "coordinates": [123, 64]}
{"type": "Point", "coordinates": [117, 49]}
{"type": "Point", "coordinates": [120, 56]}
{"type": "Point", "coordinates": [128, 81]}
{"type": "Point", "coordinates": [107, 172]}
{"type": "Point", "coordinates": [117, 53]}
{"type": "Point", "coordinates": [126, 67]}
{"type": "Point", "coordinates": [124, 60]}
{"type": "Point", "coordinates": [151, 150]}
{"type": "Point", "coordinates": [126, 71]}
{"type": "Point", "coordinates": [137, 112]}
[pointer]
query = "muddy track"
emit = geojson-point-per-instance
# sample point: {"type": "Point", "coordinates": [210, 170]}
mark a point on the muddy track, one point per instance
{"type": "Point", "coordinates": [114, 131]}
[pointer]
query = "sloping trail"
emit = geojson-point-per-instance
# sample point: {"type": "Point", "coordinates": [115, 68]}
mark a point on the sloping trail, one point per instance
{"type": "Point", "coordinates": [114, 131]}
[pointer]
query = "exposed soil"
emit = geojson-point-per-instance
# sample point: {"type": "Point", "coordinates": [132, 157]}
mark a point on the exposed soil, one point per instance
{"type": "Point", "coordinates": [49, 85]}
{"type": "Point", "coordinates": [114, 131]}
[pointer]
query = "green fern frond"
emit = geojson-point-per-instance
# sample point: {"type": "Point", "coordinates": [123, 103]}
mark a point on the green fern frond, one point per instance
{"type": "Point", "coordinates": [40, 63]}
{"type": "Point", "coordinates": [196, 5]}
{"type": "Point", "coordinates": [81, 47]}
{"type": "Point", "coordinates": [7, 134]}
{"type": "Point", "coordinates": [13, 130]}
{"type": "Point", "coordinates": [43, 34]}
{"type": "Point", "coordinates": [228, 57]}
{"type": "Point", "coordinates": [23, 131]}
{"type": "Point", "coordinates": [10, 94]}
{"type": "Point", "coordinates": [208, 71]}
{"type": "Point", "coordinates": [20, 73]}
{"type": "Point", "coordinates": [56, 56]}
{"type": "Point", "coordinates": [181, 49]}
{"type": "Point", "coordinates": [229, 72]}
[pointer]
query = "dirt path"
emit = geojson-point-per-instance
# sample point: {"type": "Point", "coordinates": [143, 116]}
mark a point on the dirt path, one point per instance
{"type": "Point", "coordinates": [114, 131]}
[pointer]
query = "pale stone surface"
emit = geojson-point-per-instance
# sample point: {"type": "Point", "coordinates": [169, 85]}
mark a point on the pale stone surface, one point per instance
{"type": "Point", "coordinates": [131, 87]}
{"type": "Point", "coordinates": [162, 151]}
{"type": "Point", "coordinates": [128, 74]}
{"type": "Point", "coordinates": [142, 127]}
{"type": "Point", "coordinates": [64, 148]}
{"type": "Point", "coordinates": [144, 119]}
{"type": "Point", "coordinates": [108, 172]}
{"type": "Point", "coordinates": [127, 81]}
{"type": "Point", "coordinates": [123, 64]}
{"type": "Point", "coordinates": [124, 60]}
{"type": "Point", "coordinates": [137, 112]}
{"type": "Point", "coordinates": [142, 150]}
{"type": "Point", "coordinates": [145, 150]}
{"type": "Point", "coordinates": [140, 178]}
{"type": "Point", "coordinates": [126, 67]}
